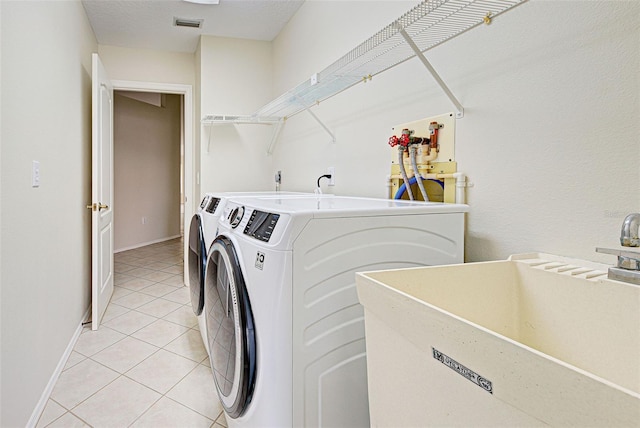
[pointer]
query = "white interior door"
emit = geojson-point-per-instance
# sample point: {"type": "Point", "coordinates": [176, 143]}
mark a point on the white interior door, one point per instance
{"type": "Point", "coordinates": [101, 192]}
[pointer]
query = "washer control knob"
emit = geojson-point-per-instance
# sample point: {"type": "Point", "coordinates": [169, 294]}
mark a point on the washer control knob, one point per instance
{"type": "Point", "coordinates": [236, 216]}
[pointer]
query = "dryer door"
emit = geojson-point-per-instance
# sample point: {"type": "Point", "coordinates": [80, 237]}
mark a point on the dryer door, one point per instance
{"type": "Point", "coordinates": [230, 328]}
{"type": "Point", "coordinates": [197, 263]}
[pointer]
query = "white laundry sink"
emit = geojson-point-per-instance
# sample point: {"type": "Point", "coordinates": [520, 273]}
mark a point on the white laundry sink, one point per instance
{"type": "Point", "coordinates": [536, 340]}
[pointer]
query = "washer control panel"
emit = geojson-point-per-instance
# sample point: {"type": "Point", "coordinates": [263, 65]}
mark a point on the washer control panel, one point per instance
{"type": "Point", "coordinates": [212, 205]}
{"type": "Point", "coordinates": [204, 202]}
{"type": "Point", "coordinates": [261, 225]}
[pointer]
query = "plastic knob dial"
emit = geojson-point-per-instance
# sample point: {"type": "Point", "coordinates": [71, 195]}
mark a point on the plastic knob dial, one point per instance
{"type": "Point", "coordinates": [236, 216]}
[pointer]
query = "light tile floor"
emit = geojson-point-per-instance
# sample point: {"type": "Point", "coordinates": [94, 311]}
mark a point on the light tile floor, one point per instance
{"type": "Point", "coordinates": [146, 365]}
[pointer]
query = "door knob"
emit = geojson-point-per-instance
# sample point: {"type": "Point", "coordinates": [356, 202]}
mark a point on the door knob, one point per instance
{"type": "Point", "coordinates": [98, 206]}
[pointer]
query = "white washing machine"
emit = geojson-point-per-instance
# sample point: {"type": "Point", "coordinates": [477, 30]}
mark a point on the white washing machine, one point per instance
{"type": "Point", "coordinates": [202, 231]}
{"type": "Point", "coordinates": [285, 329]}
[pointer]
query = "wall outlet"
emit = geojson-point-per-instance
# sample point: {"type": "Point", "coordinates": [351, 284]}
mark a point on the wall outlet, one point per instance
{"type": "Point", "coordinates": [314, 79]}
{"type": "Point", "coordinates": [144, 220]}
{"type": "Point", "coordinates": [332, 170]}
{"type": "Point", "coordinates": [278, 177]}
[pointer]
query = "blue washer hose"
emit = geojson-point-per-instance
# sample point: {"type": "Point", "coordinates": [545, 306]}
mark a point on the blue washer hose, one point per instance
{"type": "Point", "coordinates": [401, 191]}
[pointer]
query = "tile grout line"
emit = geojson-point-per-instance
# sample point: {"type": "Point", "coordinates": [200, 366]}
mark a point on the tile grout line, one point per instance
{"type": "Point", "coordinates": [139, 383]}
{"type": "Point", "coordinates": [189, 330]}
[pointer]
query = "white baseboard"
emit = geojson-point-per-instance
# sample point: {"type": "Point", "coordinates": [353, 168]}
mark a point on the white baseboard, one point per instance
{"type": "Point", "coordinates": [144, 244]}
{"type": "Point", "coordinates": [37, 412]}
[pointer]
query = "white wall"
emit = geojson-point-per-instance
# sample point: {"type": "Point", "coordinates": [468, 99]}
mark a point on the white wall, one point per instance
{"type": "Point", "coordinates": [1, 366]}
{"type": "Point", "coordinates": [236, 78]}
{"type": "Point", "coordinates": [550, 137]}
{"type": "Point", "coordinates": [1, 402]}
{"type": "Point", "coordinates": [146, 65]}
{"type": "Point", "coordinates": [146, 171]}
{"type": "Point", "coordinates": [45, 272]}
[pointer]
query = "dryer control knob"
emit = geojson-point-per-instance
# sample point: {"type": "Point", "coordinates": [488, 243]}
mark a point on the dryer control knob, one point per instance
{"type": "Point", "coordinates": [236, 216]}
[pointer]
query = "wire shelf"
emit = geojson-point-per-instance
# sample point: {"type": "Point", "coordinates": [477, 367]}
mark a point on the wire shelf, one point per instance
{"type": "Point", "coordinates": [429, 24]}
{"type": "Point", "coordinates": [240, 119]}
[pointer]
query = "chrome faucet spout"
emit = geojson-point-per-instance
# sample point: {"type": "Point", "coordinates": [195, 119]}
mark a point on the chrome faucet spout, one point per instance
{"type": "Point", "coordinates": [629, 233]}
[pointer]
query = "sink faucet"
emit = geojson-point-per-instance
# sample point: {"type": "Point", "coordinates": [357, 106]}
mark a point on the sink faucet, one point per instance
{"type": "Point", "coordinates": [629, 232]}
{"type": "Point", "coordinates": [628, 268]}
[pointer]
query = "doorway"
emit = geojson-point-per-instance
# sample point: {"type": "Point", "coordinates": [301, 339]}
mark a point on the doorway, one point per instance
{"type": "Point", "coordinates": [185, 182]}
{"type": "Point", "coordinates": [148, 165]}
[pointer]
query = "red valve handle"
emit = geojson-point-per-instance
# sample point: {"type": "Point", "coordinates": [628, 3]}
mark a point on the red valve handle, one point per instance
{"type": "Point", "coordinates": [404, 140]}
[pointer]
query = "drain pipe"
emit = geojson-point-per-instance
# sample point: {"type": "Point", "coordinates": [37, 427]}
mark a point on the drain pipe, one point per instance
{"type": "Point", "coordinates": [461, 184]}
{"type": "Point", "coordinates": [413, 148]}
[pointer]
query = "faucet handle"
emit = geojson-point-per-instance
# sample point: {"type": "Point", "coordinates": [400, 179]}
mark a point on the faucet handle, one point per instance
{"type": "Point", "coordinates": [627, 259]}
{"type": "Point", "coordinates": [619, 252]}
{"type": "Point", "coordinates": [629, 263]}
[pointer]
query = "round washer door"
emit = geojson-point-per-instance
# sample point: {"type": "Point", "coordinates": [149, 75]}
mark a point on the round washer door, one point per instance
{"type": "Point", "coordinates": [197, 263]}
{"type": "Point", "coordinates": [230, 328]}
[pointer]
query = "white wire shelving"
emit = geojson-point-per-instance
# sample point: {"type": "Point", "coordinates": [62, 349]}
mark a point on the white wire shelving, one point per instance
{"type": "Point", "coordinates": [241, 119]}
{"type": "Point", "coordinates": [429, 24]}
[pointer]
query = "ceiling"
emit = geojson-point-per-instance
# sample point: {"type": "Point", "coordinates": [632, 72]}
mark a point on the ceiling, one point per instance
{"type": "Point", "coordinates": [148, 24]}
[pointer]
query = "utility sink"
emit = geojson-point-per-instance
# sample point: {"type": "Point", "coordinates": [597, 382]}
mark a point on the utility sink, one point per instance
{"type": "Point", "coordinates": [535, 340]}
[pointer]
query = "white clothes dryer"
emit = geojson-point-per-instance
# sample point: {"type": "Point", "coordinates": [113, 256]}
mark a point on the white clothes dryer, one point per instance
{"type": "Point", "coordinates": [202, 231]}
{"type": "Point", "coordinates": [285, 328]}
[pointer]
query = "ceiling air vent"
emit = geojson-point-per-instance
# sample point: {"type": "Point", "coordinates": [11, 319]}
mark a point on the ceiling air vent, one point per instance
{"type": "Point", "coordinates": [203, 1]}
{"type": "Point", "coordinates": [184, 22]}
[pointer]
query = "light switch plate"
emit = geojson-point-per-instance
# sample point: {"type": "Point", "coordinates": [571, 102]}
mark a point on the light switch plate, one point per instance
{"type": "Point", "coordinates": [35, 174]}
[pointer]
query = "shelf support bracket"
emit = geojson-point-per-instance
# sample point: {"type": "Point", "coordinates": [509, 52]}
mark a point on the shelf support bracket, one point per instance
{"type": "Point", "coordinates": [308, 109]}
{"type": "Point", "coordinates": [434, 73]}
{"type": "Point", "coordinates": [333, 137]}
{"type": "Point", "coordinates": [276, 134]}
{"type": "Point", "coordinates": [209, 139]}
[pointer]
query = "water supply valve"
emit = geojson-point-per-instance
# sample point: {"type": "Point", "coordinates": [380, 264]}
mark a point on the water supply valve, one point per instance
{"type": "Point", "coordinates": [424, 148]}
{"type": "Point", "coordinates": [433, 130]}
{"type": "Point", "coordinates": [404, 140]}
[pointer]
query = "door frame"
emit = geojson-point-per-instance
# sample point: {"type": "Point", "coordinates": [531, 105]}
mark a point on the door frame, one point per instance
{"type": "Point", "coordinates": [190, 169]}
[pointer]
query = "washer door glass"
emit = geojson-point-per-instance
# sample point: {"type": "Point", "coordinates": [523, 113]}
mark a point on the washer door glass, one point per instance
{"type": "Point", "coordinates": [230, 328]}
{"type": "Point", "coordinates": [197, 263]}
